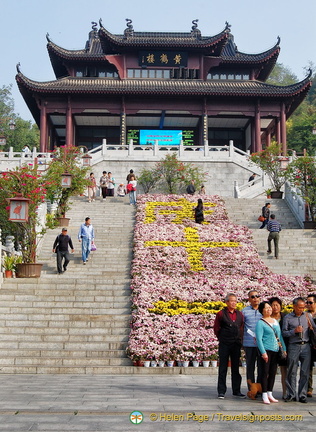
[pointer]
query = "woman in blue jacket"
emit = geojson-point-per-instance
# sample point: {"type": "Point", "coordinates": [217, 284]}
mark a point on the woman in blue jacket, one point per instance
{"type": "Point", "coordinates": [267, 332]}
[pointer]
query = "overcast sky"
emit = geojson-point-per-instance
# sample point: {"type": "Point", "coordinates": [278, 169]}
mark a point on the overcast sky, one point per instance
{"type": "Point", "coordinates": [255, 26]}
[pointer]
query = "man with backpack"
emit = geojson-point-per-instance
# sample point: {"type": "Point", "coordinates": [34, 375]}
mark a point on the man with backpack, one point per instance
{"type": "Point", "coordinates": [60, 247]}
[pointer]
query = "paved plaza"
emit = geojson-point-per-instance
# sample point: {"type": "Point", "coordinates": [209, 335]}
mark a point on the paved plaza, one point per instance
{"type": "Point", "coordinates": [167, 402]}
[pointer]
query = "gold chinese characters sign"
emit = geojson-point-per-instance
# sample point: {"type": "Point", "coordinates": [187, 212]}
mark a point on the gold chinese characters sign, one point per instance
{"type": "Point", "coordinates": [163, 58]}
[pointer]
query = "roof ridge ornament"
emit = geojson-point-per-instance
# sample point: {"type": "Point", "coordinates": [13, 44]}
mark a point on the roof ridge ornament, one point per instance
{"type": "Point", "coordinates": [18, 68]}
{"type": "Point", "coordinates": [279, 40]}
{"type": "Point", "coordinates": [48, 38]}
{"type": "Point", "coordinates": [227, 27]}
{"type": "Point", "coordinates": [129, 31]}
{"type": "Point", "coordinates": [194, 29]}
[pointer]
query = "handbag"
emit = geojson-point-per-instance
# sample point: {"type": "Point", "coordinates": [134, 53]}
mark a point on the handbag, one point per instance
{"type": "Point", "coordinates": [93, 247]}
{"type": "Point", "coordinates": [261, 218]}
{"type": "Point", "coordinates": [281, 352]}
{"type": "Point", "coordinates": [311, 332]}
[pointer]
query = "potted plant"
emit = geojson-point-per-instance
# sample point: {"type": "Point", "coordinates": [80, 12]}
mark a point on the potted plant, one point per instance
{"type": "Point", "coordinates": [302, 176]}
{"type": "Point", "coordinates": [269, 160]}
{"type": "Point", "coordinates": [9, 265]}
{"type": "Point", "coordinates": [268, 192]}
{"type": "Point", "coordinates": [31, 185]}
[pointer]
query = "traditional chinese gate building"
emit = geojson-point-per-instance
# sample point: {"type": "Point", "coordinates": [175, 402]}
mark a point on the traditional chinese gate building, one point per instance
{"type": "Point", "coordinates": [161, 86]}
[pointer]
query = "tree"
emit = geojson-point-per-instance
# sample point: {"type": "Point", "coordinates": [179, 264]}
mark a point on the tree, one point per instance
{"type": "Point", "coordinates": [31, 185]}
{"type": "Point", "coordinates": [66, 159]}
{"type": "Point", "coordinates": [282, 75]}
{"type": "Point", "coordinates": [24, 132]}
{"type": "Point", "coordinates": [148, 179]}
{"type": "Point", "coordinates": [269, 161]}
{"type": "Point", "coordinates": [171, 175]}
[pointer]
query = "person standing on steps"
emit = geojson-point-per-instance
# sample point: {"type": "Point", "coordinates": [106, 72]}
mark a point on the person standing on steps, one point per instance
{"type": "Point", "coordinates": [92, 188]}
{"type": "Point", "coordinates": [103, 185]}
{"type": "Point", "coordinates": [228, 328]}
{"type": "Point", "coordinates": [266, 214]}
{"type": "Point", "coordinates": [60, 247]}
{"type": "Point", "coordinates": [111, 185]}
{"type": "Point", "coordinates": [132, 193]}
{"type": "Point", "coordinates": [86, 237]}
{"type": "Point", "coordinates": [274, 227]}
{"type": "Point", "coordinates": [131, 173]}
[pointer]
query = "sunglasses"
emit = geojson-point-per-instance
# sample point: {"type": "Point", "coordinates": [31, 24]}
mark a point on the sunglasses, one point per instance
{"type": "Point", "coordinates": [255, 296]}
{"type": "Point", "coordinates": [309, 302]}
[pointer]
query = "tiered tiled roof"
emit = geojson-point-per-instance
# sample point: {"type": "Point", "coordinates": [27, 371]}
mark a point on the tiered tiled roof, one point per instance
{"type": "Point", "coordinates": [265, 60]}
{"type": "Point", "coordinates": [163, 87]}
{"type": "Point", "coordinates": [209, 45]}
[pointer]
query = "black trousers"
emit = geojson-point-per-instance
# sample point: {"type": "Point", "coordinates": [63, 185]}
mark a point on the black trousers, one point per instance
{"type": "Point", "coordinates": [103, 192]}
{"type": "Point", "coordinates": [252, 357]}
{"type": "Point", "coordinates": [268, 371]}
{"type": "Point", "coordinates": [226, 352]}
{"type": "Point", "coordinates": [60, 256]}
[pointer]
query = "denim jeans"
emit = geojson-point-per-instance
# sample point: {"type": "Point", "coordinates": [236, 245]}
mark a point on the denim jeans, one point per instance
{"type": "Point", "coordinates": [132, 197]}
{"type": "Point", "coordinates": [85, 248]}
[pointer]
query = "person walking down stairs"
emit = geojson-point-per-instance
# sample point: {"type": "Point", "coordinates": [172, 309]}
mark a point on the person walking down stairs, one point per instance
{"type": "Point", "coordinates": [86, 237]}
{"type": "Point", "coordinates": [60, 247]}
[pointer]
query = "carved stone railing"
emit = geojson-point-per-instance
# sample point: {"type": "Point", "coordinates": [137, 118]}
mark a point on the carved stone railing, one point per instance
{"type": "Point", "coordinates": [295, 203]}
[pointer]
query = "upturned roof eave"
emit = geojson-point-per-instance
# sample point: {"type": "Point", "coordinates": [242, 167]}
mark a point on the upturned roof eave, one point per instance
{"type": "Point", "coordinates": [71, 85]}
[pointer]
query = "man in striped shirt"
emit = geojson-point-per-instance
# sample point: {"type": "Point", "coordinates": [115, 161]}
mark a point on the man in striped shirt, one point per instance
{"type": "Point", "coordinates": [274, 227]}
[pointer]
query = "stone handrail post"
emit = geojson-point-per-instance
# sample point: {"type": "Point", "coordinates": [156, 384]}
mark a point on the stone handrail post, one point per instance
{"type": "Point", "coordinates": [130, 147]}
{"type": "Point", "coordinates": [156, 148]}
{"type": "Point", "coordinates": [206, 149]}
{"type": "Point", "coordinates": [231, 148]}
{"type": "Point", "coordinates": [236, 189]}
{"type": "Point", "coordinates": [181, 148]}
{"type": "Point", "coordinates": [103, 147]}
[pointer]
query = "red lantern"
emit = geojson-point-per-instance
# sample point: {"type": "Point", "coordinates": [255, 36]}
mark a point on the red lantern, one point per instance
{"type": "Point", "coordinates": [86, 159]}
{"type": "Point", "coordinates": [66, 180]}
{"type": "Point", "coordinates": [19, 209]}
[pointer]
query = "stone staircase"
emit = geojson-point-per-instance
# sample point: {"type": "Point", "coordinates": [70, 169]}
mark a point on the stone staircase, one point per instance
{"type": "Point", "coordinates": [77, 322]}
{"type": "Point", "coordinates": [297, 246]}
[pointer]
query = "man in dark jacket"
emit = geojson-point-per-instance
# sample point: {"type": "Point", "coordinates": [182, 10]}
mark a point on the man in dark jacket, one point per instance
{"type": "Point", "coordinates": [61, 248]}
{"type": "Point", "coordinates": [265, 214]}
{"type": "Point", "coordinates": [191, 188]}
{"type": "Point", "coordinates": [228, 327]}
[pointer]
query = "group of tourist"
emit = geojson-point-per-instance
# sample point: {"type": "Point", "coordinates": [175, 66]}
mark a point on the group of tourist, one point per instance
{"type": "Point", "coordinates": [269, 339]}
{"type": "Point", "coordinates": [107, 187]}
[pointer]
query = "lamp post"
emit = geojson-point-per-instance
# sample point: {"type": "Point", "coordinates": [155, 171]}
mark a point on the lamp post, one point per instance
{"type": "Point", "coordinates": [19, 206]}
{"type": "Point", "coordinates": [86, 158]}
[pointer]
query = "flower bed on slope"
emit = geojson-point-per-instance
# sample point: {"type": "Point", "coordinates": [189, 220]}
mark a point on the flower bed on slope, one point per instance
{"type": "Point", "coordinates": [182, 271]}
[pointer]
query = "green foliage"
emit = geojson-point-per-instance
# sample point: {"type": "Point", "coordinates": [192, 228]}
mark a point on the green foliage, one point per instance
{"type": "Point", "coordinates": [10, 262]}
{"type": "Point", "coordinates": [282, 75]}
{"type": "Point", "coordinates": [269, 161]}
{"type": "Point", "coordinates": [148, 179]}
{"type": "Point", "coordinates": [302, 175]}
{"type": "Point", "coordinates": [171, 175]}
{"type": "Point", "coordinates": [66, 159]}
{"type": "Point", "coordinates": [29, 183]}
{"type": "Point", "coordinates": [24, 133]}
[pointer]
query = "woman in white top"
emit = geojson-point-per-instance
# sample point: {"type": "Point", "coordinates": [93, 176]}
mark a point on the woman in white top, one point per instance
{"type": "Point", "coordinates": [132, 193]}
{"type": "Point", "coordinates": [111, 185]}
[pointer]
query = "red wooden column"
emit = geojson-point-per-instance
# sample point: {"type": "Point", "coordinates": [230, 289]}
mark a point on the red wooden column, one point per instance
{"type": "Point", "coordinates": [277, 131]}
{"type": "Point", "coordinates": [257, 128]}
{"type": "Point", "coordinates": [283, 129]}
{"type": "Point", "coordinates": [268, 137]}
{"type": "Point", "coordinates": [43, 129]}
{"type": "Point", "coordinates": [69, 126]}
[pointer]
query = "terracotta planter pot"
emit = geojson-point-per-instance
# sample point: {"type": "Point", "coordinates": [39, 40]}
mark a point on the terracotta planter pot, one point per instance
{"type": "Point", "coordinates": [8, 274]}
{"type": "Point", "coordinates": [63, 221]}
{"type": "Point", "coordinates": [26, 270]}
